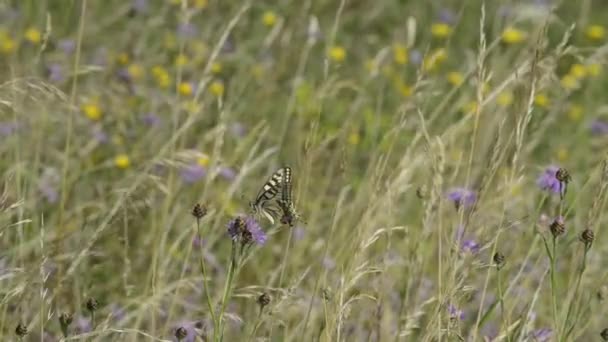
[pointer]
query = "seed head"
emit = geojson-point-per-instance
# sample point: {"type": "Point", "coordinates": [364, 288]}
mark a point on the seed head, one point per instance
{"type": "Point", "coordinates": [557, 227]}
{"type": "Point", "coordinates": [65, 319]}
{"type": "Point", "coordinates": [422, 192]}
{"type": "Point", "coordinates": [499, 259]}
{"type": "Point", "coordinates": [21, 330]}
{"type": "Point", "coordinates": [264, 300]}
{"type": "Point", "coordinates": [327, 294]}
{"type": "Point", "coordinates": [563, 175]}
{"type": "Point", "coordinates": [604, 334]}
{"type": "Point", "coordinates": [92, 304]}
{"type": "Point", "coordinates": [181, 333]}
{"type": "Point", "coordinates": [199, 211]}
{"type": "Point", "coordinates": [587, 237]}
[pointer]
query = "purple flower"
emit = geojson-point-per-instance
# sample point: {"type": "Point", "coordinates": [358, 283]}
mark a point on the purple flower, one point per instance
{"type": "Point", "coordinates": [197, 242]}
{"type": "Point", "coordinates": [83, 325]}
{"type": "Point", "coordinates": [227, 173]}
{"type": "Point", "coordinates": [541, 335]}
{"type": "Point", "coordinates": [547, 180]}
{"type": "Point", "coordinates": [8, 128]}
{"type": "Point", "coordinates": [55, 73]}
{"type": "Point", "coordinates": [599, 127]}
{"type": "Point", "coordinates": [415, 57]}
{"type": "Point", "coordinates": [186, 31]}
{"type": "Point", "coordinates": [48, 185]}
{"type": "Point", "coordinates": [191, 327]}
{"type": "Point", "coordinates": [462, 196]}
{"type": "Point", "coordinates": [151, 119]}
{"type": "Point", "coordinates": [193, 173]}
{"type": "Point", "coordinates": [67, 46]}
{"type": "Point", "coordinates": [140, 6]}
{"type": "Point", "coordinates": [238, 129]}
{"type": "Point", "coordinates": [246, 230]}
{"type": "Point", "coordinates": [470, 246]}
{"type": "Point", "coordinates": [455, 313]}
{"type": "Point", "coordinates": [99, 135]}
{"type": "Point", "coordinates": [446, 16]}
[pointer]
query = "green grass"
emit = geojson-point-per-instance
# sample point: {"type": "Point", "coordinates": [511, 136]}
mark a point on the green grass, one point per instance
{"type": "Point", "coordinates": [113, 125]}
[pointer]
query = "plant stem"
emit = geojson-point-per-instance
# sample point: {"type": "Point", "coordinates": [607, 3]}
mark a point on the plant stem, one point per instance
{"type": "Point", "coordinates": [219, 332]}
{"type": "Point", "coordinates": [205, 278]}
{"type": "Point", "coordinates": [554, 287]}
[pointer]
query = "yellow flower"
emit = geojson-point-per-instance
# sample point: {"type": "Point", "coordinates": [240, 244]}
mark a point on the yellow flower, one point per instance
{"type": "Point", "coordinates": [123, 58]}
{"type": "Point", "coordinates": [562, 154]}
{"type": "Point", "coordinates": [257, 70]}
{"type": "Point", "coordinates": [7, 45]}
{"type": "Point", "coordinates": [32, 35]}
{"type": "Point", "coordinates": [337, 54]}
{"type": "Point", "coordinates": [203, 160]}
{"type": "Point", "coordinates": [192, 107]}
{"type": "Point", "coordinates": [354, 138]}
{"type": "Point", "coordinates": [569, 82]}
{"type": "Point", "coordinates": [136, 71]}
{"type": "Point", "coordinates": [578, 70]}
{"type": "Point", "coordinates": [575, 112]}
{"type": "Point", "coordinates": [185, 88]}
{"type": "Point", "coordinates": [400, 54]}
{"type": "Point", "coordinates": [595, 32]}
{"type": "Point", "coordinates": [513, 36]}
{"type": "Point", "coordinates": [181, 60]}
{"type": "Point", "coordinates": [541, 100]}
{"type": "Point", "coordinates": [217, 88]}
{"type": "Point", "coordinates": [201, 4]}
{"type": "Point", "coordinates": [432, 61]}
{"type": "Point", "coordinates": [505, 98]}
{"type": "Point", "coordinates": [471, 107]}
{"type": "Point", "coordinates": [594, 69]}
{"type": "Point", "coordinates": [92, 111]}
{"type": "Point", "coordinates": [162, 76]}
{"type": "Point", "coordinates": [269, 18]}
{"type": "Point", "coordinates": [441, 30]}
{"type": "Point", "coordinates": [455, 78]}
{"type": "Point", "coordinates": [216, 67]}
{"type": "Point", "coordinates": [406, 90]}
{"type": "Point", "coordinates": [122, 161]}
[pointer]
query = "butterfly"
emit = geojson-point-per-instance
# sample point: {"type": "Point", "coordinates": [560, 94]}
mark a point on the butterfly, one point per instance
{"type": "Point", "coordinates": [262, 204]}
{"type": "Point", "coordinates": [290, 215]}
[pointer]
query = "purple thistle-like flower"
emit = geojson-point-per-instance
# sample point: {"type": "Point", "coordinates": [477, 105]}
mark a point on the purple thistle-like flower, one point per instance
{"type": "Point", "coordinates": [447, 16]}
{"type": "Point", "coordinates": [151, 119]}
{"type": "Point", "coordinates": [246, 229]}
{"type": "Point", "coordinates": [455, 313]}
{"type": "Point", "coordinates": [599, 127]}
{"type": "Point", "coordinates": [193, 173]}
{"type": "Point", "coordinates": [462, 196]}
{"type": "Point", "coordinates": [83, 325]}
{"type": "Point", "coordinates": [55, 73]}
{"type": "Point", "coordinates": [190, 327]}
{"type": "Point", "coordinates": [415, 57]}
{"type": "Point", "coordinates": [541, 335]}
{"type": "Point", "coordinates": [548, 181]}
{"type": "Point", "coordinates": [186, 31]}
{"type": "Point", "coordinates": [470, 246]}
{"type": "Point", "coordinates": [227, 173]}
{"type": "Point", "coordinates": [67, 46]}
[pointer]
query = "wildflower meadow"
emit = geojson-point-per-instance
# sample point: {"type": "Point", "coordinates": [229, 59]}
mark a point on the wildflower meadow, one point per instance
{"type": "Point", "coordinates": [315, 170]}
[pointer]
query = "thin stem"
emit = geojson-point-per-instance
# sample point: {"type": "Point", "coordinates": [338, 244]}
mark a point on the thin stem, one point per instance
{"type": "Point", "coordinates": [219, 333]}
{"type": "Point", "coordinates": [502, 301]}
{"type": "Point", "coordinates": [574, 295]}
{"type": "Point", "coordinates": [205, 278]}
{"type": "Point", "coordinates": [554, 286]}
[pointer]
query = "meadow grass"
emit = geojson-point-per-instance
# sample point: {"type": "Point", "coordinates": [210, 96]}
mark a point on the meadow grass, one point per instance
{"type": "Point", "coordinates": [449, 159]}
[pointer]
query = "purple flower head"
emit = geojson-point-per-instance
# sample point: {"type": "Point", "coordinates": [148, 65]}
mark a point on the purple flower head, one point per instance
{"type": "Point", "coordinates": [238, 129]}
{"type": "Point", "coordinates": [191, 330]}
{"type": "Point", "coordinates": [246, 230]}
{"type": "Point", "coordinates": [455, 313]}
{"type": "Point", "coordinates": [197, 242]}
{"type": "Point", "coordinates": [227, 173]}
{"type": "Point", "coordinates": [541, 335]}
{"type": "Point", "coordinates": [415, 57]}
{"type": "Point", "coordinates": [151, 119]}
{"type": "Point", "coordinates": [186, 31]}
{"type": "Point", "coordinates": [83, 325]}
{"type": "Point", "coordinates": [99, 135]}
{"type": "Point", "coordinates": [470, 246]}
{"type": "Point", "coordinates": [547, 180]}
{"type": "Point", "coordinates": [67, 46]}
{"type": "Point", "coordinates": [599, 127]}
{"type": "Point", "coordinates": [193, 173]}
{"type": "Point", "coordinates": [55, 73]}
{"type": "Point", "coordinates": [446, 16]}
{"type": "Point", "coordinates": [140, 6]}
{"type": "Point", "coordinates": [462, 196]}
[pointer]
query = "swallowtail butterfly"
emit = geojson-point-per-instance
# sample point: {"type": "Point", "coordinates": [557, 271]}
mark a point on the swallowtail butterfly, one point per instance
{"type": "Point", "coordinates": [271, 188]}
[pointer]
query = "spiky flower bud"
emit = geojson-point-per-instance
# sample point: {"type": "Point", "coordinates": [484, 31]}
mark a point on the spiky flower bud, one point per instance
{"type": "Point", "coordinates": [65, 319]}
{"type": "Point", "coordinates": [499, 259]}
{"type": "Point", "coordinates": [181, 333]}
{"type": "Point", "coordinates": [199, 211]}
{"type": "Point", "coordinates": [563, 175]}
{"type": "Point", "coordinates": [264, 300]}
{"type": "Point", "coordinates": [557, 227]}
{"type": "Point", "coordinates": [92, 304]}
{"type": "Point", "coordinates": [422, 192]}
{"type": "Point", "coordinates": [327, 294]}
{"type": "Point", "coordinates": [21, 330]}
{"type": "Point", "coordinates": [587, 237]}
{"type": "Point", "coordinates": [604, 334]}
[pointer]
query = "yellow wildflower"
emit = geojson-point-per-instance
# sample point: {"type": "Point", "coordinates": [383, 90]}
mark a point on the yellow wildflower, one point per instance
{"type": "Point", "coordinates": [471, 107]}
{"type": "Point", "coordinates": [432, 61]}
{"type": "Point", "coordinates": [203, 160]}
{"type": "Point", "coordinates": [185, 88]}
{"type": "Point", "coordinates": [541, 100]}
{"type": "Point", "coordinates": [569, 82]}
{"type": "Point", "coordinates": [122, 161]}
{"type": "Point", "coordinates": [136, 71]}
{"type": "Point", "coordinates": [578, 70]}
{"type": "Point", "coordinates": [594, 69]}
{"type": "Point", "coordinates": [216, 67]}
{"type": "Point", "coordinates": [33, 35]}
{"type": "Point", "coordinates": [354, 138]}
{"type": "Point", "coordinates": [441, 30]}
{"type": "Point", "coordinates": [181, 60]}
{"type": "Point", "coordinates": [595, 32]}
{"type": "Point", "coordinates": [7, 45]}
{"type": "Point", "coordinates": [257, 70]}
{"type": "Point", "coordinates": [455, 78]}
{"type": "Point", "coordinates": [217, 88]}
{"type": "Point", "coordinates": [269, 18]}
{"type": "Point", "coordinates": [505, 98]}
{"type": "Point", "coordinates": [400, 54]}
{"type": "Point", "coordinates": [337, 54]}
{"type": "Point", "coordinates": [575, 112]}
{"type": "Point", "coordinates": [123, 58]}
{"type": "Point", "coordinates": [201, 4]}
{"type": "Point", "coordinates": [406, 90]}
{"type": "Point", "coordinates": [92, 111]}
{"type": "Point", "coordinates": [562, 154]}
{"type": "Point", "coordinates": [513, 36]}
